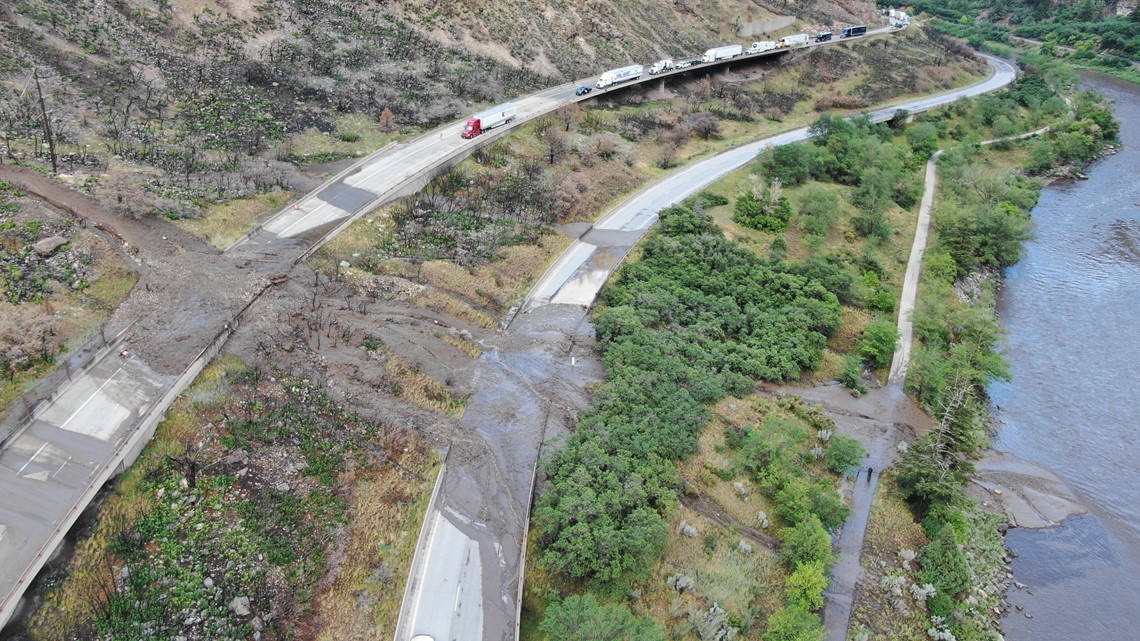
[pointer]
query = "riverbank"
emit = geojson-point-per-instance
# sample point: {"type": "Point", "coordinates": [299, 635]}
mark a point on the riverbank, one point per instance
{"type": "Point", "coordinates": [1070, 311]}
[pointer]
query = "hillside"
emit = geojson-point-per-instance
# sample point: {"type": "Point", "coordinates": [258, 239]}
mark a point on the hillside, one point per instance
{"type": "Point", "coordinates": [183, 103]}
{"type": "Point", "coordinates": [309, 446]}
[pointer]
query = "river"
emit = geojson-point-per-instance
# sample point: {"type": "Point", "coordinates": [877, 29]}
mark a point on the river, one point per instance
{"type": "Point", "coordinates": [1072, 311]}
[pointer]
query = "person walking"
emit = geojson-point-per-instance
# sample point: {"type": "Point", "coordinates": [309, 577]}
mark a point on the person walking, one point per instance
{"type": "Point", "coordinates": [869, 471]}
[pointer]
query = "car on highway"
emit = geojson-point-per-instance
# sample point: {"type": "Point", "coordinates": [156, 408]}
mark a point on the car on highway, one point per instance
{"type": "Point", "coordinates": [683, 63]}
{"type": "Point", "coordinates": [423, 637]}
{"type": "Point", "coordinates": [583, 90]}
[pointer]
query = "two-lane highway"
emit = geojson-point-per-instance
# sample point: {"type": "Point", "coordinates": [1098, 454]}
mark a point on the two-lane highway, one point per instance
{"type": "Point", "coordinates": [562, 283]}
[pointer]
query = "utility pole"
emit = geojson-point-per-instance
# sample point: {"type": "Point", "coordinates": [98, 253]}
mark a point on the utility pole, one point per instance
{"type": "Point", "coordinates": [47, 123]}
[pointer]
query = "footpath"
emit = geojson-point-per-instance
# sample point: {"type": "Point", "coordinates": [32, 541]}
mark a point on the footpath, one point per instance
{"type": "Point", "coordinates": [847, 573]}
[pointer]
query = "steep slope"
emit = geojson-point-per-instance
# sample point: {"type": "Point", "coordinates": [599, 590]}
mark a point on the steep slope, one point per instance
{"type": "Point", "coordinates": [180, 103]}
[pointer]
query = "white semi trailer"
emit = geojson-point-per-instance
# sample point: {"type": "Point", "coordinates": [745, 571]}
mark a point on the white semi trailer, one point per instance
{"type": "Point", "coordinates": [722, 53]}
{"type": "Point", "coordinates": [625, 74]}
{"type": "Point", "coordinates": [794, 40]}
{"type": "Point", "coordinates": [761, 47]}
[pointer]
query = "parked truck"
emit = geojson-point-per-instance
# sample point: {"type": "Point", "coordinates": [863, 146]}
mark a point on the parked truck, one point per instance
{"type": "Point", "coordinates": [615, 76]}
{"type": "Point", "coordinates": [722, 53]}
{"type": "Point", "coordinates": [761, 47]}
{"type": "Point", "coordinates": [661, 66]}
{"type": "Point", "coordinates": [489, 119]}
{"type": "Point", "coordinates": [851, 32]}
{"type": "Point", "coordinates": [795, 40]}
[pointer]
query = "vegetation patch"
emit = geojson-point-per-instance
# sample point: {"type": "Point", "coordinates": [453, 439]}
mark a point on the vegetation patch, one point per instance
{"type": "Point", "coordinates": [225, 525]}
{"type": "Point", "coordinates": [224, 223]}
{"type": "Point", "coordinates": [410, 383]}
{"type": "Point", "coordinates": [710, 318]}
{"type": "Point", "coordinates": [980, 222]}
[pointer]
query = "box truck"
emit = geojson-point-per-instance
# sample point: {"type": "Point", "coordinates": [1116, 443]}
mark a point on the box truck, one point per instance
{"type": "Point", "coordinates": [761, 47]}
{"type": "Point", "coordinates": [493, 117]}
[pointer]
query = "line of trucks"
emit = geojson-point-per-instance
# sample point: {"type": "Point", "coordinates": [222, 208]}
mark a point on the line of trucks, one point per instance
{"type": "Point", "coordinates": [505, 113]}
{"type": "Point", "coordinates": [724, 52]}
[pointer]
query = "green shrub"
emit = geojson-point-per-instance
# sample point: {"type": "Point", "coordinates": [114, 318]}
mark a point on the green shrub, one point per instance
{"type": "Point", "coordinates": [768, 212]}
{"type": "Point", "coordinates": [805, 586]}
{"type": "Point", "coordinates": [941, 605]}
{"type": "Point", "coordinates": [793, 623]}
{"type": "Point", "coordinates": [582, 618]}
{"type": "Point", "coordinates": [806, 542]}
{"type": "Point", "coordinates": [851, 375]}
{"type": "Point", "coordinates": [883, 300]}
{"type": "Point", "coordinates": [790, 164]}
{"type": "Point", "coordinates": [818, 209]}
{"type": "Point", "coordinates": [878, 343]}
{"type": "Point", "coordinates": [944, 565]}
{"type": "Point", "coordinates": [843, 454]}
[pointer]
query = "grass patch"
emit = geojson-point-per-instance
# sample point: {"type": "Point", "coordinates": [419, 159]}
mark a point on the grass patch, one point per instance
{"type": "Point", "coordinates": [355, 135]}
{"type": "Point", "coordinates": [467, 346]}
{"type": "Point", "coordinates": [223, 224]}
{"type": "Point", "coordinates": [391, 500]}
{"type": "Point", "coordinates": [439, 301]}
{"type": "Point", "coordinates": [418, 387]}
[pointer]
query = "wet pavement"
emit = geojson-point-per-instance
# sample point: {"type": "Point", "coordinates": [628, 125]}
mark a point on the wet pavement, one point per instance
{"type": "Point", "coordinates": [531, 386]}
{"type": "Point", "coordinates": [71, 444]}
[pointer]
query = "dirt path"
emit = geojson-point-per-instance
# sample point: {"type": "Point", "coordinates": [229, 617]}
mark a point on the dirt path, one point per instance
{"type": "Point", "coordinates": [848, 571]}
{"type": "Point", "coordinates": [709, 507]}
{"type": "Point", "coordinates": [901, 358]}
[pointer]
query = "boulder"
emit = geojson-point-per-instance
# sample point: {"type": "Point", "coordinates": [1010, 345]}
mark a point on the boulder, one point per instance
{"type": "Point", "coordinates": [688, 530]}
{"type": "Point", "coordinates": [240, 606]}
{"type": "Point", "coordinates": [47, 246]}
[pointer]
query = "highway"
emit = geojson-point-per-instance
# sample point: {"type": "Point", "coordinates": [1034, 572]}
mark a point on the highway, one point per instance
{"type": "Point", "coordinates": [563, 283]}
{"type": "Point", "coordinates": [391, 171]}
{"type": "Point", "coordinates": [52, 468]}
{"type": "Point", "coordinates": [568, 288]}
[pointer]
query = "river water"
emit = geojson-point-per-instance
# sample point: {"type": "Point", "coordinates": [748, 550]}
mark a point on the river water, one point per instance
{"type": "Point", "coordinates": [1072, 310]}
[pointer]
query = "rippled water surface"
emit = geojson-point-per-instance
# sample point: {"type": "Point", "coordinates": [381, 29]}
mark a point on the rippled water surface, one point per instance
{"type": "Point", "coordinates": [1072, 309]}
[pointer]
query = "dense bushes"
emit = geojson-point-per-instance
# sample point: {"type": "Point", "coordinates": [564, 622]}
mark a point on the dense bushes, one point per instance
{"type": "Point", "coordinates": [582, 618]}
{"type": "Point", "coordinates": [769, 211]}
{"type": "Point", "coordinates": [860, 154]}
{"type": "Point", "coordinates": [1083, 24]}
{"type": "Point", "coordinates": [695, 319]}
{"type": "Point", "coordinates": [980, 224]}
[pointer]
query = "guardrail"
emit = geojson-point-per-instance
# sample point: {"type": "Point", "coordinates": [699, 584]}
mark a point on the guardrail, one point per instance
{"type": "Point", "coordinates": [24, 409]}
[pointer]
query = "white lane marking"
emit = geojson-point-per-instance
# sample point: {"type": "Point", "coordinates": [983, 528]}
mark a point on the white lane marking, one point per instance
{"type": "Point", "coordinates": [62, 466]}
{"type": "Point", "coordinates": [423, 570]}
{"type": "Point", "coordinates": [32, 459]}
{"type": "Point", "coordinates": [90, 398]}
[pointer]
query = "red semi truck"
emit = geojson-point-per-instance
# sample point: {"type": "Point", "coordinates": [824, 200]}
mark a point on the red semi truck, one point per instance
{"type": "Point", "coordinates": [489, 119]}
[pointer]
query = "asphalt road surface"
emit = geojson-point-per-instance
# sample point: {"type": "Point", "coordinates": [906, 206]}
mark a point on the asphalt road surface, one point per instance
{"type": "Point", "coordinates": [66, 447]}
{"type": "Point", "coordinates": [579, 264]}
